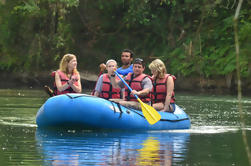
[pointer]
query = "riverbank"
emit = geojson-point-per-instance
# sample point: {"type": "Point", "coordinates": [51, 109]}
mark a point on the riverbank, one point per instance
{"type": "Point", "coordinates": [88, 79]}
{"type": "Point", "coordinates": [38, 80]}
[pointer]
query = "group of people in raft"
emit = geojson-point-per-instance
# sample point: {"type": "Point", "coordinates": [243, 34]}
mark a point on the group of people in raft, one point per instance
{"type": "Point", "coordinates": [157, 90]}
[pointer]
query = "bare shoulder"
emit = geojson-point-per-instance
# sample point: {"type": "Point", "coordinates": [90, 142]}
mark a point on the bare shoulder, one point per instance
{"type": "Point", "coordinates": [56, 74]}
{"type": "Point", "coordinates": [170, 80]}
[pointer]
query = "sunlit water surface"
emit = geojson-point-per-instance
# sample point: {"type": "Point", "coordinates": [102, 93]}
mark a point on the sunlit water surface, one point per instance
{"type": "Point", "coordinates": [214, 138]}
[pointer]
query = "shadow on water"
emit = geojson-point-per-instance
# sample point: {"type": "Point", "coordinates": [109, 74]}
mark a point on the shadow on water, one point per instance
{"type": "Point", "coordinates": [111, 148]}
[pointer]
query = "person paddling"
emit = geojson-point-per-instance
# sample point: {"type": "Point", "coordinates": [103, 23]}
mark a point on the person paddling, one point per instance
{"type": "Point", "coordinates": [139, 82]}
{"type": "Point", "coordinates": [162, 94]}
{"type": "Point", "coordinates": [104, 87]}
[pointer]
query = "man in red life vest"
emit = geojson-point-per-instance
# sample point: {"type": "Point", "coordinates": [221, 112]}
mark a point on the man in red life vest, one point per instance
{"type": "Point", "coordinates": [139, 82]}
{"type": "Point", "coordinates": [104, 87]}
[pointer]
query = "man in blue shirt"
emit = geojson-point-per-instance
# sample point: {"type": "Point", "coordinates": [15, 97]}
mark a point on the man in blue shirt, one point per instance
{"type": "Point", "coordinates": [126, 59]}
{"type": "Point", "coordinates": [127, 66]}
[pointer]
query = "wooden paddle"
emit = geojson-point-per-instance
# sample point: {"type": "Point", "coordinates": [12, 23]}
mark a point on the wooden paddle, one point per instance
{"type": "Point", "coordinates": [151, 115]}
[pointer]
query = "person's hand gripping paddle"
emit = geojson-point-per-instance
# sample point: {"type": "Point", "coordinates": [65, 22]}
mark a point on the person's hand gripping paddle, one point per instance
{"type": "Point", "coordinates": [151, 115]}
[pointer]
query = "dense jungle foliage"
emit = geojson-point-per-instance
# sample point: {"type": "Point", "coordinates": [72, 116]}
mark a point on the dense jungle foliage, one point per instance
{"type": "Point", "coordinates": [194, 38]}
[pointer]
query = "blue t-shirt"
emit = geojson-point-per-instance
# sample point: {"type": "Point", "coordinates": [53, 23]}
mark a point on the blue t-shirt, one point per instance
{"type": "Point", "coordinates": [124, 72]}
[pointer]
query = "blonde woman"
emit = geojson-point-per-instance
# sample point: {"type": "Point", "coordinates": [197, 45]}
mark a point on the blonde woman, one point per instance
{"type": "Point", "coordinates": [67, 78]}
{"type": "Point", "coordinates": [162, 94]}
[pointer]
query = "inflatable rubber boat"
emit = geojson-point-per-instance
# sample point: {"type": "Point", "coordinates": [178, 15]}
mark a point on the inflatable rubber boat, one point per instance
{"type": "Point", "coordinates": [81, 111]}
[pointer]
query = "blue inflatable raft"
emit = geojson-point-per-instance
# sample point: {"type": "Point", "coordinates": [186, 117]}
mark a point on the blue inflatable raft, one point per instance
{"type": "Point", "coordinates": [81, 111]}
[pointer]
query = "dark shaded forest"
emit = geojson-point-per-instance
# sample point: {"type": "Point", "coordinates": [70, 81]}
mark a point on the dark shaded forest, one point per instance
{"type": "Point", "coordinates": [195, 39]}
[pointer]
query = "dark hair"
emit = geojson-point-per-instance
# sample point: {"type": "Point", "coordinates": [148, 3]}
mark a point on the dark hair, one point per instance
{"type": "Point", "coordinates": [139, 61]}
{"type": "Point", "coordinates": [130, 51]}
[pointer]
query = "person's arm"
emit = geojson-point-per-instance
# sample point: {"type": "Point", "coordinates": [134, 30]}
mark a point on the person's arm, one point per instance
{"type": "Point", "coordinates": [102, 67]}
{"type": "Point", "coordinates": [96, 93]}
{"type": "Point", "coordinates": [76, 88]}
{"type": "Point", "coordinates": [147, 87]}
{"type": "Point", "coordinates": [123, 93]}
{"type": "Point", "coordinates": [58, 82]}
{"type": "Point", "coordinates": [115, 84]}
{"type": "Point", "coordinates": [169, 91]}
{"type": "Point", "coordinates": [99, 85]}
{"type": "Point", "coordinates": [143, 92]}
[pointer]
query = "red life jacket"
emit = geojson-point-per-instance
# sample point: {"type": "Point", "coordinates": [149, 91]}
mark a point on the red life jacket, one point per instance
{"type": "Point", "coordinates": [108, 92]}
{"type": "Point", "coordinates": [64, 80]}
{"type": "Point", "coordinates": [158, 93]}
{"type": "Point", "coordinates": [135, 84]}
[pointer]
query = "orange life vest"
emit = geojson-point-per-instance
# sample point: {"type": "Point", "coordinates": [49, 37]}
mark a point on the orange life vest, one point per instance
{"type": "Point", "coordinates": [158, 93]}
{"type": "Point", "coordinates": [135, 84]}
{"type": "Point", "coordinates": [64, 80]}
{"type": "Point", "coordinates": [108, 92]}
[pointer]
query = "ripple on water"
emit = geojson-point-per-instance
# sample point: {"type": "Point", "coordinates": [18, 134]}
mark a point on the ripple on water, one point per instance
{"type": "Point", "coordinates": [213, 129]}
{"type": "Point", "coordinates": [11, 121]}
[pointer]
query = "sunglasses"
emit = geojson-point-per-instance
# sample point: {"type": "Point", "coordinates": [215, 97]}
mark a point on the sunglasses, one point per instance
{"type": "Point", "coordinates": [138, 60]}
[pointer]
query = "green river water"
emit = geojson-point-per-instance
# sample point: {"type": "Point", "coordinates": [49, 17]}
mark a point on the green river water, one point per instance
{"type": "Point", "coordinates": [214, 138]}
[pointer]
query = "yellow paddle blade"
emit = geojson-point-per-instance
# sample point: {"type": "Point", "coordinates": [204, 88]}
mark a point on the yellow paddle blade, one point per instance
{"type": "Point", "coordinates": [149, 152]}
{"type": "Point", "coordinates": [151, 115]}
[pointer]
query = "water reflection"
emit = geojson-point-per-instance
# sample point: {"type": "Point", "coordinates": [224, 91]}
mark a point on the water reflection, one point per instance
{"type": "Point", "coordinates": [214, 139]}
{"type": "Point", "coordinates": [111, 148]}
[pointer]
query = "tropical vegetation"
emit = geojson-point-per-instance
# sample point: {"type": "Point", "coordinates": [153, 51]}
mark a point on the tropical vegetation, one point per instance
{"type": "Point", "coordinates": [193, 38]}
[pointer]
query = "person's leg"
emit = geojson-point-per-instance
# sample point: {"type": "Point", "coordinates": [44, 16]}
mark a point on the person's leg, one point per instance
{"type": "Point", "coordinates": [158, 106]}
{"type": "Point", "coordinates": [172, 107]}
{"type": "Point", "coordinates": [116, 100]}
{"type": "Point", "coordinates": [131, 104]}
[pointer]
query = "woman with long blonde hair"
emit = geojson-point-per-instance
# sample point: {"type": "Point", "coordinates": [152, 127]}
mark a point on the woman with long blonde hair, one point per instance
{"type": "Point", "coordinates": [67, 77]}
{"type": "Point", "coordinates": [162, 94]}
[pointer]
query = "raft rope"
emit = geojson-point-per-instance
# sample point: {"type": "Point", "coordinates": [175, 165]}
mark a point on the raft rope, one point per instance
{"type": "Point", "coordinates": [119, 106]}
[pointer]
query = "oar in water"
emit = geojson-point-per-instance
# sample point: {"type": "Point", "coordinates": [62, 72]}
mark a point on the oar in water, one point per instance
{"type": "Point", "coordinates": [151, 115]}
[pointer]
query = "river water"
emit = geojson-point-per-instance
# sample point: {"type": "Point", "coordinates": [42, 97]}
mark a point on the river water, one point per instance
{"type": "Point", "coordinates": [214, 138]}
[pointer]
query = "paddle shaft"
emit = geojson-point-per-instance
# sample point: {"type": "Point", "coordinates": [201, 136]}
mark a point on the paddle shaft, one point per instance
{"type": "Point", "coordinates": [151, 115]}
{"type": "Point", "coordinates": [125, 83]}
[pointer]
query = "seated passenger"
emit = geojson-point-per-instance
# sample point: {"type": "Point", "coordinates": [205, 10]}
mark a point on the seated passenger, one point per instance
{"type": "Point", "coordinates": [126, 59]}
{"type": "Point", "coordinates": [104, 87]}
{"type": "Point", "coordinates": [67, 78]}
{"type": "Point", "coordinates": [139, 82]}
{"type": "Point", "coordinates": [162, 94]}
